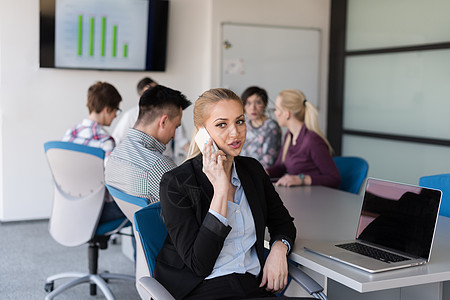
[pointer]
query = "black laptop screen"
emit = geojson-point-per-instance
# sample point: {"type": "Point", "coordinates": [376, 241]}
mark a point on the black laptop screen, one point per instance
{"type": "Point", "coordinates": [399, 216]}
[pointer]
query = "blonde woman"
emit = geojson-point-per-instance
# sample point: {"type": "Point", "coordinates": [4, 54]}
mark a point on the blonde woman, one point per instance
{"type": "Point", "coordinates": [305, 157]}
{"type": "Point", "coordinates": [216, 207]}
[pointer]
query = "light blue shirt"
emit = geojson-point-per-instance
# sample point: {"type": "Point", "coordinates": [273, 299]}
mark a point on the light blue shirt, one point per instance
{"type": "Point", "coordinates": [238, 254]}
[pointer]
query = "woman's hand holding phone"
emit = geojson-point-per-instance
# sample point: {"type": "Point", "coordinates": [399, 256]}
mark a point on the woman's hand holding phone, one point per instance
{"type": "Point", "coordinates": [213, 158]}
{"type": "Point", "coordinates": [213, 167]}
{"type": "Point", "coordinates": [202, 138]}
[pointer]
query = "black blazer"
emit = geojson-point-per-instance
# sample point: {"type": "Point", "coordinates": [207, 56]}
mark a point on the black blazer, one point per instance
{"type": "Point", "coordinates": [195, 237]}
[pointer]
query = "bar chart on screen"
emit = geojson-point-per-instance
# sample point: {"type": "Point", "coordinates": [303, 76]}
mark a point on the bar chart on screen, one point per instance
{"type": "Point", "coordinates": [101, 34]}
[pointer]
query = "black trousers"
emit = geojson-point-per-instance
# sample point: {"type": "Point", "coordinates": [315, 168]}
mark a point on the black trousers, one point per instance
{"type": "Point", "coordinates": [230, 287]}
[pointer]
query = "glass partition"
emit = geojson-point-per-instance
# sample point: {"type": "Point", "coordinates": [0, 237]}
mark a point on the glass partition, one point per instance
{"type": "Point", "coordinates": [387, 23]}
{"type": "Point", "coordinates": [398, 161]}
{"type": "Point", "coordinates": [401, 94]}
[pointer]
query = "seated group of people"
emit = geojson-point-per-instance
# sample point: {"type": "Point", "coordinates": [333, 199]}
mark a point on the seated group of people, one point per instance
{"type": "Point", "coordinates": [217, 204]}
{"type": "Point", "coordinates": [305, 157]}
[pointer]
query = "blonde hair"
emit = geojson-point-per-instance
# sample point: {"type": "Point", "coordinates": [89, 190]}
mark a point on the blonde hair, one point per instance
{"type": "Point", "coordinates": [202, 110]}
{"type": "Point", "coordinates": [295, 102]}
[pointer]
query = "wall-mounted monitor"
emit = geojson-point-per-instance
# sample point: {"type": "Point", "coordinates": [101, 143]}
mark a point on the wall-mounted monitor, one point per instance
{"type": "Point", "coordinates": [104, 34]}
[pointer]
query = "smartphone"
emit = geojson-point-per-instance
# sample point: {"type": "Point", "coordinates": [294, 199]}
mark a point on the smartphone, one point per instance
{"type": "Point", "coordinates": [202, 138]}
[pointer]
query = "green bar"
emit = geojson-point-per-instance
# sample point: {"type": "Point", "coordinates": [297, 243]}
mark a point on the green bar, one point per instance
{"type": "Point", "coordinates": [114, 43]}
{"type": "Point", "coordinates": [125, 50]}
{"type": "Point", "coordinates": [80, 34]}
{"type": "Point", "coordinates": [91, 38]}
{"type": "Point", "coordinates": [103, 35]}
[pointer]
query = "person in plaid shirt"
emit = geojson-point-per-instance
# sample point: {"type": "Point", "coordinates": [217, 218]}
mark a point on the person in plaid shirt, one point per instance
{"type": "Point", "coordinates": [103, 105]}
{"type": "Point", "coordinates": [137, 164]}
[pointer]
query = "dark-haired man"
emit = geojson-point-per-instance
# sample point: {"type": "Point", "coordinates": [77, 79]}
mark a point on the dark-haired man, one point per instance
{"type": "Point", "coordinates": [178, 147]}
{"type": "Point", "coordinates": [130, 116]}
{"type": "Point", "coordinates": [137, 164]}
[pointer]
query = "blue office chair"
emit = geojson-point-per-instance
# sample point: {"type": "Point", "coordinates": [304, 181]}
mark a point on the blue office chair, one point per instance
{"type": "Point", "coordinates": [78, 174]}
{"type": "Point", "coordinates": [150, 233]}
{"type": "Point", "coordinates": [353, 171]}
{"type": "Point", "coordinates": [440, 182]}
{"type": "Point", "coordinates": [129, 205]}
{"type": "Point", "coordinates": [149, 225]}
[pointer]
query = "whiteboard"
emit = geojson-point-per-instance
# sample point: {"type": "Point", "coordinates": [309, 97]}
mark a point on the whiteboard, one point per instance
{"type": "Point", "coordinates": [272, 57]}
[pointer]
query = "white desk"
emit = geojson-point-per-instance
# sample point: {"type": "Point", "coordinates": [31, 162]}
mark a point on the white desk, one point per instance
{"type": "Point", "coordinates": [322, 213]}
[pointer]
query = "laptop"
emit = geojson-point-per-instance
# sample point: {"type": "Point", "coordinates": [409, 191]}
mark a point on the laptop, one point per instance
{"type": "Point", "coordinates": [396, 228]}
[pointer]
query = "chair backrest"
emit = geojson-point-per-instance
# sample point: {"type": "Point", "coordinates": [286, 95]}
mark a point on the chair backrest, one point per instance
{"type": "Point", "coordinates": [78, 174]}
{"type": "Point", "coordinates": [127, 203]}
{"type": "Point", "coordinates": [152, 232]}
{"type": "Point", "coordinates": [129, 206]}
{"type": "Point", "coordinates": [353, 170]}
{"type": "Point", "coordinates": [440, 182]}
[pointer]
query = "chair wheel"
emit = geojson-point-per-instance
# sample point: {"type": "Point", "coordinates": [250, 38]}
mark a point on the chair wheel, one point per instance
{"type": "Point", "coordinates": [105, 279]}
{"type": "Point", "coordinates": [49, 287]}
{"type": "Point", "coordinates": [93, 289]}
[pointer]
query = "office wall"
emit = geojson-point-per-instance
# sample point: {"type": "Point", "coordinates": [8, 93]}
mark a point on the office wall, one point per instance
{"type": "Point", "coordinates": [295, 13]}
{"type": "Point", "coordinates": [37, 105]}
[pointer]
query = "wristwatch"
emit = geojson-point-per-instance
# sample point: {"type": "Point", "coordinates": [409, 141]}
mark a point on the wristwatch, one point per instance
{"type": "Point", "coordinates": [284, 242]}
{"type": "Point", "coordinates": [302, 177]}
{"type": "Point", "coordinates": [287, 244]}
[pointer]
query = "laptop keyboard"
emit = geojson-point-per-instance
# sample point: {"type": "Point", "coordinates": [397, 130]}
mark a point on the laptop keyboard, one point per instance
{"type": "Point", "coordinates": [372, 252]}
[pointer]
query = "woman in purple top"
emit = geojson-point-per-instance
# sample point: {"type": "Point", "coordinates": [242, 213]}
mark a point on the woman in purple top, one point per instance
{"type": "Point", "coordinates": [263, 134]}
{"type": "Point", "coordinates": [305, 158]}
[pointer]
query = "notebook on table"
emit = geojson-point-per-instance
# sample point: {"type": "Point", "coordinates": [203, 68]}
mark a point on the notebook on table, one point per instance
{"type": "Point", "coordinates": [396, 228]}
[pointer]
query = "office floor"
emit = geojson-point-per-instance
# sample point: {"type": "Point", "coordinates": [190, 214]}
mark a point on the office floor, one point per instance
{"type": "Point", "coordinates": [28, 255]}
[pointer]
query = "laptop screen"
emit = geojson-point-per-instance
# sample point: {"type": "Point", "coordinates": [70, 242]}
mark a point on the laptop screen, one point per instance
{"type": "Point", "coordinates": [399, 216]}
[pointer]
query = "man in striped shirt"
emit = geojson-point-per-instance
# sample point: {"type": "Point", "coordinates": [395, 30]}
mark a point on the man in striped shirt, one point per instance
{"type": "Point", "coordinates": [137, 164]}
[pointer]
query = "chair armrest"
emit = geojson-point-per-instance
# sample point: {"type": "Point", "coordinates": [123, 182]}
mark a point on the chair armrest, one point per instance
{"type": "Point", "coordinates": [155, 289]}
{"type": "Point", "coordinates": [309, 284]}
